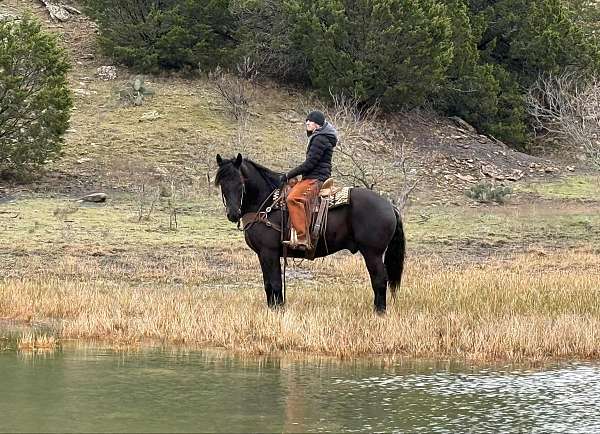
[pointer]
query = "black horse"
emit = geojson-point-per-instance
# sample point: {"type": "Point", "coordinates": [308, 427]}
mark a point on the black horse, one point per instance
{"type": "Point", "coordinates": [369, 225]}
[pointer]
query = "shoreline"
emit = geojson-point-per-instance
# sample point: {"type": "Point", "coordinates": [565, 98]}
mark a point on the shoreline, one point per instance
{"type": "Point", "coordinates": [382, 360]}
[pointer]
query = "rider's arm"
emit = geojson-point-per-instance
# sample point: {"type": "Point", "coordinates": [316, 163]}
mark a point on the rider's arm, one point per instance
{"type": "Point", "coordinates": [315, 153]}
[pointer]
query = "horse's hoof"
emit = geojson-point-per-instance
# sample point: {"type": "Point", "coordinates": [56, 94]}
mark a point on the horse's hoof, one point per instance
{"type": "Point", "coordinates": [380, 311]}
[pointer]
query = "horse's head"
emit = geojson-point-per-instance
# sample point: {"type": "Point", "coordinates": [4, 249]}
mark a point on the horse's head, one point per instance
{"type": "Point", "coordinates": [229, 178]}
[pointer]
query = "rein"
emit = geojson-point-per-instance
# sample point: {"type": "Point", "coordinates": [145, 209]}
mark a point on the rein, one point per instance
{"type": "Point", "coordinates": [250, 218]}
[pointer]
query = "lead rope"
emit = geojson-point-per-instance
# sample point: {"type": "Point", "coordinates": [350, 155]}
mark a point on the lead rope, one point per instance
{"type": "Point", "coordinates": [284, 270]}
{"type": "Point", "coordinates": [284, 249]}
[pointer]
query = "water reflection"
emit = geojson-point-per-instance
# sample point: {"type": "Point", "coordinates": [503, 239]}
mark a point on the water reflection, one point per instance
{"type": "Point", "coordinates": [90, 389]}
{"type": "Point", "coordinates": [563, 399]}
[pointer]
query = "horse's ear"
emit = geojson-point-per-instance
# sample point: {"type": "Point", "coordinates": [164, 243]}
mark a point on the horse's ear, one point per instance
{"type": "Point", "coordinates": [219, 159]}
{"type": "Point", "coordinates": [238, 161]}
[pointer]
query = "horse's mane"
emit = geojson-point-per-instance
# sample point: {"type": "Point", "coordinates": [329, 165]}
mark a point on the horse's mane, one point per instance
{"type": "Point", "coordinates": [227, 171]}
{"type": "Point", "coordinates": [269, 175]}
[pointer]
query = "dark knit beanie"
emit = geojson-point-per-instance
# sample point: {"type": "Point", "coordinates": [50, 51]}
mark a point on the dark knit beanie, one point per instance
{"type": "Point", "coordinates": [317, 117]}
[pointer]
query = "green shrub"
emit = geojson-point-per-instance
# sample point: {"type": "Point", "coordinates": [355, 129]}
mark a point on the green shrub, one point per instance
{"type": "Point", "coordinates": [150, 35]}
{"type": "Point", "coordinates": [483, 94]}
{"type": "Point", "coordinates": [264, 32]}
{"type": "Point", "coordinates": [35, 100]}
{"type": "Point", "coordinates": [394, 51]}
{"type": "Point", "coordinates": [528, 37]}
{"type": "Point", "coordinates": [501, 47]}
{"type": "Point", "coordinates": [486, 192]}
{"type": "Point", "coordinates": [587, 14]}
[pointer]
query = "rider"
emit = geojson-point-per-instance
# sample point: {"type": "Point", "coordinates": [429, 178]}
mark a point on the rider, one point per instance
{"type": "Point", "coordinates": [322, 138]}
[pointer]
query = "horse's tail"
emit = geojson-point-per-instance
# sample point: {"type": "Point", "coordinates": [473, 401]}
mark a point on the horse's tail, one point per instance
{"type": "Point", "coordinates": [394, 255]}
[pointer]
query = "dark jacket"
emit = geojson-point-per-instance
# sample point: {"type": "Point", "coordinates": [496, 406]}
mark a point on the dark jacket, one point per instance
{"type": "Point", "coordinates": [318, 155]}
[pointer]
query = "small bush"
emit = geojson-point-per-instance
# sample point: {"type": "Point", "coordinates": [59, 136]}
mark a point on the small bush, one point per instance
{"type": "Point", "coordinates": [486, 192]}
{"type": "Point", "coordinates": [35, 100]}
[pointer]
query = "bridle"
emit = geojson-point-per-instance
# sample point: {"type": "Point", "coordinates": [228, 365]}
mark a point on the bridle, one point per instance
{"type": "Point", "coordinates": [241, 199]}
{"type": "Point", "coordinates": [261, 215]}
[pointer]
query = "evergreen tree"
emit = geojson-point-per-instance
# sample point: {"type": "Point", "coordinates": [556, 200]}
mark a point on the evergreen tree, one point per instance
{"type": "Point", "coordinates": [164, 34]}
{"type": "Point", "coordinates": [500, 49]}
{"type": "Point", "coordinates": [265, 37]}
{"type": "Point", "coordinates": [35, 100]}
{"type": "Point", "coordinates": [532, 36]}
{"type": "Point", "coordinates": [396, 51]}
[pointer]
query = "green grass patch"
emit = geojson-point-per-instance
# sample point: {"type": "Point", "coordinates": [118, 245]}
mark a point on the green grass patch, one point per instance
{"type": "Point", "coordinates": [194, 124]}
{"type": "Point", "coordinates": [51, 223]}
{"type": "Point", "coordinates": [34, 224]}
{"type": "Point", "coordinates": [571, 187]}
{"type": "Point", "coordinates": [544, 224]}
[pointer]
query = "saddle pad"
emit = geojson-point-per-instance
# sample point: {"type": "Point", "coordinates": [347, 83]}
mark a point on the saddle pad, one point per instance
{"type": "Point", "coordinates": [341, 197]}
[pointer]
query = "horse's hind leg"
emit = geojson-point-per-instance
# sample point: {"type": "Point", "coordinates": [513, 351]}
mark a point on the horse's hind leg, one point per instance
{"type": "Point", "coordinates": [271, 269]}
{"type": "Point", "coordinates": [374, 262]}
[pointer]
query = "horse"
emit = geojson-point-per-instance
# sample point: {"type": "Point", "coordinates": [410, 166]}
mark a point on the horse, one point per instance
{"type": "Point", "coordinates": [369, 224]}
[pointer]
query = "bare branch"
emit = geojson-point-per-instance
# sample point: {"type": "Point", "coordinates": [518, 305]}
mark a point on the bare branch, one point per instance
{"type": "Point", "coordinates": [373, 153]}
{"type": "Point", "coordinates": [237, 91]}
{"type": "Point", "coordinates": [567, 106]}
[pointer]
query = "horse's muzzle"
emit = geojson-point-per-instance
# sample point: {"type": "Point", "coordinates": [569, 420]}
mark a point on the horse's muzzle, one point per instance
{"type": "Point", "coordinates": [234, 216]}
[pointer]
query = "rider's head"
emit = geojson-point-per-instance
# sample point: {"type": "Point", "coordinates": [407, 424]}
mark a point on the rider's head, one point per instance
{"type": "Point", "coordinates": [314, 120]}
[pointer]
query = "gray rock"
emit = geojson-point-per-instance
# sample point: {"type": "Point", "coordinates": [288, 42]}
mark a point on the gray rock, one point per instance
{"type": "Point", "coordinates": [7, 15]}
{"type": "Point", "coordinates": [107, 72]}
{"type": "Point", "coordinates": [94, 197]}
{"type": "Point", "coordinates": [150, 116]}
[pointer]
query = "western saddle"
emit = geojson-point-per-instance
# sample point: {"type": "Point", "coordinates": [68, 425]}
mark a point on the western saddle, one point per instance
{"type": "Point", "coordinates": [328, 196]}
{"type": "Point", "coordinates": [317, 210]}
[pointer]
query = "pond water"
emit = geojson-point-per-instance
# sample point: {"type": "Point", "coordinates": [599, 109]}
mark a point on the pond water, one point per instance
{"type": "Point", "coordinates": [91, 389]}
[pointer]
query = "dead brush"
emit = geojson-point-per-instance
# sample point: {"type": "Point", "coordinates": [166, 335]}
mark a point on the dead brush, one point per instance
{"type": "Point", "coordinates": [62, 212]}
{"type": "Point", "coordinates": [147, 199]}
{"type": "Point", "coordinates": [237, 90]}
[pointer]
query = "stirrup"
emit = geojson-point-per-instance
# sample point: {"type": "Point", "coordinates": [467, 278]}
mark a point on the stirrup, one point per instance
{"type": "Point", "coordinates": [296, 245]}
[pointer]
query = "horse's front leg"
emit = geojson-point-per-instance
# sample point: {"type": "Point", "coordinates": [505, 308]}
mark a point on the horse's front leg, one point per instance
{"type": "Point", "coordinates": [271, 269]}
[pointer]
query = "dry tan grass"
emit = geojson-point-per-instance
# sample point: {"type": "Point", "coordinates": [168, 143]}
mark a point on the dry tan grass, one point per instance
{"type": "Point", "coordinates": [33, 342]}
{"type": "Point", "coordinates": [533, 306]}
